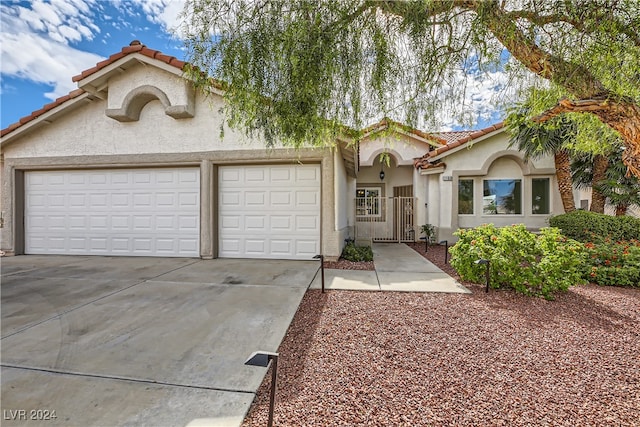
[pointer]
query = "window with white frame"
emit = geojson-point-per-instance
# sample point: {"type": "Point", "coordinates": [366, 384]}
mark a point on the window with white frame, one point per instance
{"type": "Point", "coordinates": [540, 196]}
{"type": "Point", "coordinates": [465, 196]}
{"type": "Point", "coordinates": [368, 202]}
{"type": "Point", "coordinates": [502, 197]}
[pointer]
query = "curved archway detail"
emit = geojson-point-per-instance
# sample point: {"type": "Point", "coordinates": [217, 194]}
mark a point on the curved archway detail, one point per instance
{"type": "Point", "coordinates": [526, 167]}
{"type": "Point", "coordinates": [396, 157]}
{"type": "Point", "coordinates": [135, 101]}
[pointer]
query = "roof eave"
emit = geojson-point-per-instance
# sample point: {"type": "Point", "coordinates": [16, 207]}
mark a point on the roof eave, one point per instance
{"type": "Point", "coordinates": [349, 150]}
{"type": "Point", "coordinates": [402, 129]}
{"type": "Point", "coordinates": [46, 118]}
{"type": "Point", "coordinates": [97, 82]}
{"type": "Point", "coordinates": [467, 144]}
{"type": "Point", "coordinates": [431, 171]}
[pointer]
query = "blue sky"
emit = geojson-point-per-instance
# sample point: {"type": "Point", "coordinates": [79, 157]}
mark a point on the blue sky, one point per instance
{"type": "Point", "coordinates": [46, 43]}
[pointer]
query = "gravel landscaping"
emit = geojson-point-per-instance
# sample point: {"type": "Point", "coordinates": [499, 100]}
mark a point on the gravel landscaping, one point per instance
{"type": "Point", "coordinates": [386, 358]}
{"type": "Point", "coordinates": [343, 264]}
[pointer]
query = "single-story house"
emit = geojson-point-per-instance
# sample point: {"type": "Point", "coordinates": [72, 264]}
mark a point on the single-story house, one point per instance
{"type": "Point", "coordinates": [133, 163]}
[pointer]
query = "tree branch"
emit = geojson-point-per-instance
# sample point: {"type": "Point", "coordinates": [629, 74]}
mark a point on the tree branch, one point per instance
{"type": "Point", "coordinates": [575, 78]}
{"type": "Point", "coordinates": [578, 24]}
{"type": "Point", "coordinates": [348, 19]}
{"type": "Point", "coordinates": [566, 105]}
{"type": "Point", "coordinates": [618, 115]}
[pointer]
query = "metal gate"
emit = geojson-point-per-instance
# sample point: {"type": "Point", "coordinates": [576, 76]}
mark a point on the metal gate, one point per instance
{"type": "Point", "coordinates": [385, 219]}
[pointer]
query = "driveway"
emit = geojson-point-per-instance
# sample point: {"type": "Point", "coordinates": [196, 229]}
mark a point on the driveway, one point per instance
{"type": "Point", "coordinates": [106, 341]}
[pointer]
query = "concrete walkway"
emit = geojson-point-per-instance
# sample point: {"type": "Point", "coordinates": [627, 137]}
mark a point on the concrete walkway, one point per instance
{"type": "Point", "coordinates": [397, 268]}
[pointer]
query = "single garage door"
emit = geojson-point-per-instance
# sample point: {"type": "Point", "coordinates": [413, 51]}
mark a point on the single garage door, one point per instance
{"type": "Point", "coordinates": [269, 211]}
{"type": "Point", "coordinates": [128, 212]}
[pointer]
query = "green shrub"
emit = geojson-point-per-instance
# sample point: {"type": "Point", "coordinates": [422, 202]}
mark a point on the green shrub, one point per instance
{"type": "Point", "coordinates": [590, 226]}
{"type": "Point", "coordinates": [528, 263]}
{"type": "Point", "coordinates": [613, 263]}
{"type": "Point", "coordinates": [351, 252]}
{"type": "Point", "coordinates": [429, 232]}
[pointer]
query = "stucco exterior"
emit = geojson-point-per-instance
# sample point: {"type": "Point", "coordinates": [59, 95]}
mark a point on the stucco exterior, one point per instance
{"type": "Point", "coordinates": [136, 110]}
{"type": "Point", "coordinates": [164, 122]}
{"type": "Point", "coordinates": [490, 159]}
{"type": "Point", "coordinates": [391, 152]}
{"type": "Point", "coordinates": [435, 183]}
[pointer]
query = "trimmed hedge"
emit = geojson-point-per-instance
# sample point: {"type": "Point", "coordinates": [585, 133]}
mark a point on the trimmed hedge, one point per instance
{"type": "Point", "coordinates": [587, 226]}
{"type": "Point", "coordinates": [531, 264]}
{"type": "Point", "coordinates": [354, 253]}
{"type": "Point", "coordinates": [613, 263]}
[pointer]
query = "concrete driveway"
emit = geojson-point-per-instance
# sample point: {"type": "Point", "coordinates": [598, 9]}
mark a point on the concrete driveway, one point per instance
{"type": "Point", "coordinates": [109, 341]}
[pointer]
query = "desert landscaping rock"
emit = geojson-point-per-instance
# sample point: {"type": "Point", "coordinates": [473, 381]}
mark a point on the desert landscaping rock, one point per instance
{"type": "Point", "coordinates": [501, 359]}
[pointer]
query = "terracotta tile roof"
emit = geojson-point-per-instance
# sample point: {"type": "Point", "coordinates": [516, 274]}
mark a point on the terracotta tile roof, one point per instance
{"type": "Point", "coordinates": [386, 123]}
{"type": "Point", "coordinates": [26, 119]}
{"type": "Point", "coordinates": [434, 166]}
{"type": "Point", "coordinates": [464, 138]}
{"type": "Point", "coordinates": [453, 136]}
{"type": "Point", "coordinates": [134, 47]}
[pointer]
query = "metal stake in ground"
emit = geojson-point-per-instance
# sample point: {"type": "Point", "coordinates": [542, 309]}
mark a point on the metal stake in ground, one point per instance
{"type": "Point", "coordinates": [321, 258]}
{"type": "Point", "coordinates": [446, 250]}
{"type": "Point", "coordinates": [263, 358]}
{"type": "Point", "coordinates": [487, 276]}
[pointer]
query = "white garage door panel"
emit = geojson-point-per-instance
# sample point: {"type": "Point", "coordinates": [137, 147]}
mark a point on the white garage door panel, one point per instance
{"type": "Point", "coordinates": [145, 212]}
{"type": "Point", "coordinates": [269, 211]}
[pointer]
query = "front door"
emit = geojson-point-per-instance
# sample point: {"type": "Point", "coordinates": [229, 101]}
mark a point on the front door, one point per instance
{"type": "Point", "coordinates": [386, 219]}
{"type": "Point", "coordinates": [403, 208]}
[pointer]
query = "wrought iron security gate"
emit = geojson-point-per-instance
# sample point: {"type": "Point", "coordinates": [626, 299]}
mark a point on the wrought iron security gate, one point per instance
{"type": "Point", "coordinates": [385, 219]}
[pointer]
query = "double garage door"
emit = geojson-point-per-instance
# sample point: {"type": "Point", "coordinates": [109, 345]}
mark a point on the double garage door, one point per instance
{"type": "Point", "coordinates": [264, 212]}
{"type": "Point", "coordinates": [129, 212]}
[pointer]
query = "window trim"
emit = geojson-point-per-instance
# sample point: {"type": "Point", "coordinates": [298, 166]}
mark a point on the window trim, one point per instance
{"type": "Point", "coordinates": [549, 196]}
{"type": "Point", "coordinates": [473, 198]}
{"type": "Point", "coordinates": [522, 194]}
{"type": "Point", "coordinates": [370, 217]}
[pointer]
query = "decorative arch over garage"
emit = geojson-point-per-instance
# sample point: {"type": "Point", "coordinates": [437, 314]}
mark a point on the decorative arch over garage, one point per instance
{"type": "Point", "coordinates": [137, 98]}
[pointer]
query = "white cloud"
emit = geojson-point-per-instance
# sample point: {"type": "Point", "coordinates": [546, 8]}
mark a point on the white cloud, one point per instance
{"type": "Point", "coordinates": [46, 12]}
{"type": "Point", "coordinates": [60, 20]}
{"type": "Point", "coordinates": [35, 44]}
{"type": "Point", "coordinates": [163, 12]}
{"type": "Point", "coordinates": [482, 96]}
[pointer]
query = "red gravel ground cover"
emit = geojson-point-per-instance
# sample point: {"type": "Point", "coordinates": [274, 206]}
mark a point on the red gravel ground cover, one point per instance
{"type": "Point", "coordinates": [343, 264]}
{"type": "Point", "coordinates": [497, 359]}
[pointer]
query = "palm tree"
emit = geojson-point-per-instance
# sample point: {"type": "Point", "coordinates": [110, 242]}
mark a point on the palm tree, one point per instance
{"type": "Point", "coordinates": [600, 166]}
{"type": "Point", "coordinates": [620, 189]}
{"type": "Point", "coordinates": [535, 141]}
{"type": "Point", "coordinates": [590, 171]}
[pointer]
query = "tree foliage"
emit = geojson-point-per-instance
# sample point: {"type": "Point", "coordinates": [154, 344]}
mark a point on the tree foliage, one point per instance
{"type": "Point", "coordinates": [297, 71]}
{"type": "Point", "coordinates": [552, 138]}
{"type": "Point", "coordinates": [618, 188]}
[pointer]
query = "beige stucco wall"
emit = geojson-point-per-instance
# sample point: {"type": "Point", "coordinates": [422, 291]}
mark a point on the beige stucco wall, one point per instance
{"type": "Point", "coordinates": [344, 205]}
{"type": "Point", "coordinates": [420, 193]}
{"type": "Point", "coordinates": [488, 159]}
{"type": "Point", "coordinates": [401, 147]}
{"type": "Point", "coordinates": [88, 138]}
{"type": "Point", "coordinates": [173, 86]}
{"type": "Point", "coordinates": [395, 176]}
{"type": "Point", "coordinates": [583, 197]}
{"type": "Point", "coordinates": [340, 184]}
{"type": "Point", "coordinates": [90, 132]}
